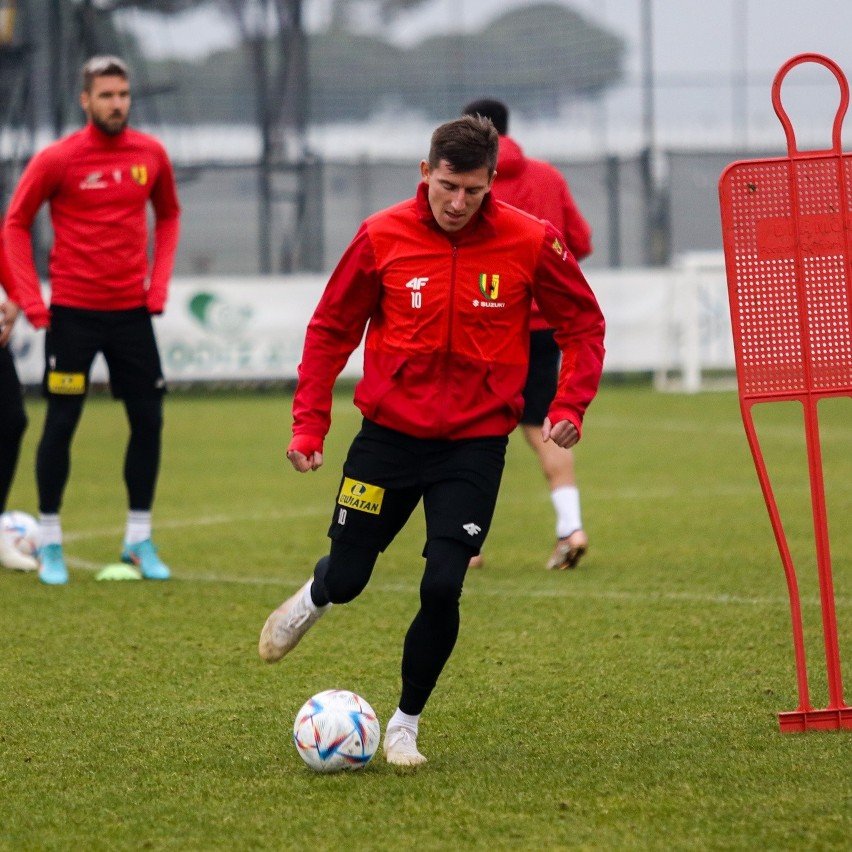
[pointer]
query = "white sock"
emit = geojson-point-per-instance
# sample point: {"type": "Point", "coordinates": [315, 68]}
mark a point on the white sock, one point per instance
{"type": "Point", "coordinates": [50, 530]}
{"type": "Point", "coordinates": [403, 720]}
{"type": "Point", "coordinates": [138, 526]}
{"type": "Point", "coordinates": [309, 601]}
{"type": "Point", "coordinates": [566, 502]}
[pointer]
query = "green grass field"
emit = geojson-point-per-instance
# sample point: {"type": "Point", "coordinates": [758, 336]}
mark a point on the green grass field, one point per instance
{"type": "Point", "coordinates": [630, 704]}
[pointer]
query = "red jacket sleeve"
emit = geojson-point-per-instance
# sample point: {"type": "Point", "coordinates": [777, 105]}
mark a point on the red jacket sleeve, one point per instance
{"type": "Point", "coordinates": [333, 334]}
{"type": "Point", "coordinates": [34, 187]}
{"type": "Point", "coordinates": [7, 282]}
{"type": "Point", "coordinates": [568, 304]}
{"type": "Point", "coordinates": [164, 200]}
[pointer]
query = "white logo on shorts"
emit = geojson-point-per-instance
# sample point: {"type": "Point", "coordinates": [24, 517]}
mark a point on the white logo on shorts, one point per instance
{"type": "Point", "coordinates": [472, 529]}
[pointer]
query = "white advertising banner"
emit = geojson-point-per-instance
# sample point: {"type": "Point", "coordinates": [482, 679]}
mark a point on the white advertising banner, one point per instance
{"type": "Point", "coordinates": [253, 329]}
{"type": "Point", "coordinates": [238, 329]}
{"type": "Point", "coordinates": [217, 329]}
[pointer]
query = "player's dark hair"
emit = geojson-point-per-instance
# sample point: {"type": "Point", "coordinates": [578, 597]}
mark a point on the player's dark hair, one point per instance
{"type": "Point", "coordinates": [103, 66]}
{"type": "Point", "coordinates": [465, 144]}
{"type": "Point", "coordinates": [491, 108]}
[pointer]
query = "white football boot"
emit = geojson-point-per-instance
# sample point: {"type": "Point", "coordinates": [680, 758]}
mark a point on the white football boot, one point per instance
{"type": "Point", "coordinates": [568, 551]}
{"type": "Point", "coordinates": [288, 624]}
{"type": "Point", "coordinates": [401, 747]}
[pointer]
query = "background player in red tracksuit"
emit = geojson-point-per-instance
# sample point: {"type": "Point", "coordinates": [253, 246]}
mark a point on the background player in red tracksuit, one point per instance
{"type": "Point", "coordinates": [539, 188]}
{"type": "Point", "coordinates": [98, 183]}
{"type": "Point", "coordinates": [443, 284]}
{"type": "Point", "coordinates": [13, 417]}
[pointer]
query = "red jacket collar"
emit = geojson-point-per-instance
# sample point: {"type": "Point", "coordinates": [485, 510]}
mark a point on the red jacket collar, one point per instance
{"type": "Point", "coordinates": [100, 138]}
{"type": "Point", "coordinates": [482, 225]}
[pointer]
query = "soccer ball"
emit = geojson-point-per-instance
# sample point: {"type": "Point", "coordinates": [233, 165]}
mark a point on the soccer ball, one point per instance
{"type": "Point", "coordinates": [336, 730]}
{"type": "Point", "coordinates": [21, 531]}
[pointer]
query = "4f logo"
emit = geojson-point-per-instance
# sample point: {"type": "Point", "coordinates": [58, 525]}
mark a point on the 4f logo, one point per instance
{"type": "Point", "coordinates": [472, 529]}
{"type": "Point", "coordinates": [416, 285]}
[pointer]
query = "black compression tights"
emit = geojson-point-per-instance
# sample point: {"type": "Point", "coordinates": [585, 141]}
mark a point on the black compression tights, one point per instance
{"type": "Point", "coordinates": [141, 461]}
{"type": "Point", "coordinates": [430, 640]}
{"type": "Point", "coordinates": [13, 424]}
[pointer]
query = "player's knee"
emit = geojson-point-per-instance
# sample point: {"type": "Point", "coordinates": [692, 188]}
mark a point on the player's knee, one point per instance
{"type": "Point", "coordinates": [446, 565]}
{"type": "Point", "coordinates": [439, 594]}
{"type": "Point", "coordinates": [145, 416]}
{"type": "Point", "coordinates": [63, 414]}
{"type": "Point", "coordinates": [13, 424]}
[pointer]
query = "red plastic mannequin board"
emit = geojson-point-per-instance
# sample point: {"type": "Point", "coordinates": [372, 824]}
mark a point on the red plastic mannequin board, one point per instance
{"type": "Point", "coordinates": [786, 232]}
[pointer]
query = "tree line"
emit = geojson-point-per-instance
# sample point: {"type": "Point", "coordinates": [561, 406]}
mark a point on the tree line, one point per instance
{"type": "Point", "coordinates": [536, 59]}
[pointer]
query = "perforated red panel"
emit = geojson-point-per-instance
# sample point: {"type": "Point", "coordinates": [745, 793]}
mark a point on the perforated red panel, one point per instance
{"type": "Point", "coordinates": [786, 232]}
{"type": "Point", "coordinates": [787, 244]}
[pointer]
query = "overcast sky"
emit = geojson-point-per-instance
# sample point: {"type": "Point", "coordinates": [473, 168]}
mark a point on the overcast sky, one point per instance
{"type": "Point", "coordinates": [690, 36]}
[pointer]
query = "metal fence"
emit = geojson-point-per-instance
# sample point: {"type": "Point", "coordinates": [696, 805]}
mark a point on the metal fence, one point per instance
{"type": "Point", "coordinates": [313, 210]}
{"type": "Point", "coordinates": [314, 216]}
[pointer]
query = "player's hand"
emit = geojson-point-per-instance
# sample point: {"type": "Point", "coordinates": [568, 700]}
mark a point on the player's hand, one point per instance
{"type": "Point", "coordinates": [305, 452]}
{"type": "Point", "coordinates": [564, 434]}
{"type": "Point", "coordinates": [8, 314]}
{"type": "Point", "coordinates": [304, 463]}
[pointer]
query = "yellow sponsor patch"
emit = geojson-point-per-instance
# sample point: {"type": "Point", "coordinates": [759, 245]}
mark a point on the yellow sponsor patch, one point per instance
{"type": "Point", "coordinates": [67, 383]}
{"type": "Point", "coordinates": [557, 246]}
{"type": "Point", "coordinates": [361, 496]}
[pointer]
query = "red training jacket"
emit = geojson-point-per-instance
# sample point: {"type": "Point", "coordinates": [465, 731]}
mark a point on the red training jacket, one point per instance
{"type": "Point", "coordinates": [447, 315]}
{"type": "Point", "coordinates": [539, 188]}
{"type": "Point", "coordinates": [7, 282]}
{"type": "Point", "coordinates": [98, 187]}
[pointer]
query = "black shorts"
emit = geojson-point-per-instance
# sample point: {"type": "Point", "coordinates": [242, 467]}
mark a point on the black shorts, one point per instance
{"type": "Point", "coordinates": [386, 473]}
{"type": "Point", "coordinates": [126, 339]}
{"type": "Point", "coordinates": [542, 377]}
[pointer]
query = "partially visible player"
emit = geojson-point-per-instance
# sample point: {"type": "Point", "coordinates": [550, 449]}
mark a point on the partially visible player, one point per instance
{"type": "Point", "coordinates": [539, 188]}
{"type": "Point", "coordinates": [13, 417]}
{"type": "Point", "coordinates": [98, 183]}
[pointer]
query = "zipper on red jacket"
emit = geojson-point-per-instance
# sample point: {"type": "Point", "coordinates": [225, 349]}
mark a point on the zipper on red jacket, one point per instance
{"type": "Point", "coordinates": [451, 310]}
{"type": "Point", "coordinates": [452, 297]}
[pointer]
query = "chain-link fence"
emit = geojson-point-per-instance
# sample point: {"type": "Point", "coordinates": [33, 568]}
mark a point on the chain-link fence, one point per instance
{"type": "Point", "coordinates": [314, 214]}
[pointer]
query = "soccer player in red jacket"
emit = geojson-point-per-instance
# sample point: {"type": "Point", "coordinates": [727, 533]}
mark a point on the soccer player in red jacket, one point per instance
{"type": "Point", "coordinates": [13, 417]}
{"type": "Point", "coordinates": [98, 183]}
{"type": "Point", "coordinates": [539, 188]}
{"type": "Point", "coordinates": [443, 284]}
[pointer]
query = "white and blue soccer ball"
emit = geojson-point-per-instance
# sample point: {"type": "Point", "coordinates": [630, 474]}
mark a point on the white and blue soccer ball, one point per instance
{"type": "Point", "coordinates": [336, 730]}
{"type": "Point", "coordinates": [21, 531]}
